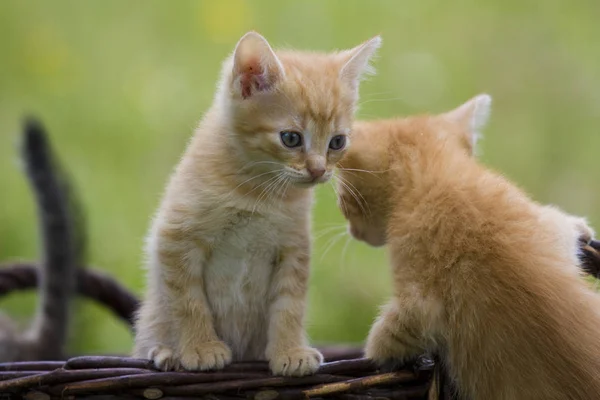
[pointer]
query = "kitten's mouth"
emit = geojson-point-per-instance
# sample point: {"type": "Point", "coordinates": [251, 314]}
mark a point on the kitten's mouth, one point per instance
{"type": "Point", "coordinates": [312, 182]}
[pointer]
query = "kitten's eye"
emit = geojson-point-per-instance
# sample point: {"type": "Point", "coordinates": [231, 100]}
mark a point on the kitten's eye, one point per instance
{"type": "Point", "coordinates": [338, 142]}
{"type": "Point", "coordinates": [291, 139]}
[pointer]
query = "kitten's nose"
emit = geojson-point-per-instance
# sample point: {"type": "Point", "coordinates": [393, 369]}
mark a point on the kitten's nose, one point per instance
{"type": "Point", "coordinates": [316, 172]}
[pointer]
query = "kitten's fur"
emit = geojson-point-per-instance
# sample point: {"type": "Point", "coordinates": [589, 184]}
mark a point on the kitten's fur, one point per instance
{"type": "Point", "coordinates": [62, 231]}
{"type": "Point", "coordinates": [482, 274]}
{"type": "Point", "coordinates": [228, 251]}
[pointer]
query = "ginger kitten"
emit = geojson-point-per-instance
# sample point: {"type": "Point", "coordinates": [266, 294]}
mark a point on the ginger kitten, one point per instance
{"type": "Point", "coordinates": [228, 250]}
{"type": "Point", "coordinates": [483, 275]}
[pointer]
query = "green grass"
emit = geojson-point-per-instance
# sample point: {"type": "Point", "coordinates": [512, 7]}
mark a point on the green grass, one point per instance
{"type": "Point", "coordinates": [121, 84]}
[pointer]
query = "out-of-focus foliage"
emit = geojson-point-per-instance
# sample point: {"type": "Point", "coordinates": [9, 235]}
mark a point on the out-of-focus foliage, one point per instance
{"type": "Point", "coordinates": [121, 85]}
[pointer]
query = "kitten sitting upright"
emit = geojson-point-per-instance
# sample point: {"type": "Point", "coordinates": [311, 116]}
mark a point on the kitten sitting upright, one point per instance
{"type": "Point", "coordinates": [228, 251]}
{"type": "Point", "coordinates": [483, 275]}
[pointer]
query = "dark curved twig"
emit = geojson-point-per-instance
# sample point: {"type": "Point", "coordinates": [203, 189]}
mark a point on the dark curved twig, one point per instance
{"type": "Point", "coordinates": [90, 283]}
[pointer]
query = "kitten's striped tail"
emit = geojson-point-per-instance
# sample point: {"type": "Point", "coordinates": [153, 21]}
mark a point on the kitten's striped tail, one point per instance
{"type": "Point", "coordinates": [63, 242]}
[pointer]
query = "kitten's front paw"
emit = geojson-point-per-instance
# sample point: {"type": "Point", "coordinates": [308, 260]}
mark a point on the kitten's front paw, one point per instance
{"type": "Point", "coordinates": [163, 358]}
{"type": "Point", "coordinates": [298, 361]}
{"type": "Point", "coordinates": [584, 231]}
{"type": "Point", "coordinates": [388, 349]}
{"type": "Point", "coordinates": [206, 356]}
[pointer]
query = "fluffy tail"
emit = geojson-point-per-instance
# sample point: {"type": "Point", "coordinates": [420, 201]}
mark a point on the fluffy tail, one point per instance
{"type": "Point", "coordinates": [63, 239]}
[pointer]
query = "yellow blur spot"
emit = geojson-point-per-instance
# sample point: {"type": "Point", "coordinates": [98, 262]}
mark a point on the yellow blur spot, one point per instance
{"type": "Point", "coordinates": [45, 53]}
{"type": "Point", "coordinates": [225, 20]}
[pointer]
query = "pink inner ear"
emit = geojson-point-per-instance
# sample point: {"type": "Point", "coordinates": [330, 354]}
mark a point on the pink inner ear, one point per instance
{"type": "Point", "coordinates": [252, 78]}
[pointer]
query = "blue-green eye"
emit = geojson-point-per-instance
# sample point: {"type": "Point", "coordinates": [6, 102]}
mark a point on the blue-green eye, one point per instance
{"type": "Point", "coordinates": [291, 139]}
{"type": "Point", "coordinates": [337, 142]}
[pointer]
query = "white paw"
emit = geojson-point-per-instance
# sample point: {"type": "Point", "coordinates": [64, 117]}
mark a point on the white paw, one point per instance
{"type": "Point", "coordinates": [206, 356]}
{"type": "Point", "coordinates": [298, 361]}
{"type": "Point", "coordinates": [163, 358]}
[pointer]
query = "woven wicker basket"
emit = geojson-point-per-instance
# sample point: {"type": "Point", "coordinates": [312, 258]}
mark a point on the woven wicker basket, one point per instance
{"type": "Point", "coordinates": [115, 377]}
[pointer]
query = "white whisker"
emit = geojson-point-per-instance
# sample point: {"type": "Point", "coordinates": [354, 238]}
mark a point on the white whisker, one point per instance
{"type": "Point", "coordinates": [331, 242]}
{"type": "Point", "coordinates": [329, 230]}
{"type": "Point", "coordinates": [286, 185]}
{"type": "Point", "coordinates": [228, 195]}
{"type": "Point", "coordinates": [264, 195]}
{"type": "Point", "coordinates": [348, 241]}
{"type": "Point", "coordinates": [263, 183]}
{"type": "Point", "coordinates": [379, 100]}
{"type": "Point", "coordinates": [337, 194]}
{"type": "Point", "coordinates": [355, 195]}
{"type": "Point", "coordinates": [374, 173]}
{"type": "Point", "coordinates": [253, 163]}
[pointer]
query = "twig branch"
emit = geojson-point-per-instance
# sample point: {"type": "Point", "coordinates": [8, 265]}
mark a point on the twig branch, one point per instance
{"type": "Point", "coordinates": [90, 283]}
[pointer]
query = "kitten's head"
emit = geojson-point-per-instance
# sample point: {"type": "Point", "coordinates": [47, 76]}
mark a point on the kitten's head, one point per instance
{"type": "Point", "coordinates": [391, 154]}
{"type": "Point", "coordinates": [290, 112]}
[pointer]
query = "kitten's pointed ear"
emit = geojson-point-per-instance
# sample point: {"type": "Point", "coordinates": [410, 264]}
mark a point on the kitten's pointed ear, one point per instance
{"type": "Point", "coordinates": [356, 61]}
{"type": "Point", "coordinates": [472, 116]}
{"type": "Point", "coordinates": [256, 68]}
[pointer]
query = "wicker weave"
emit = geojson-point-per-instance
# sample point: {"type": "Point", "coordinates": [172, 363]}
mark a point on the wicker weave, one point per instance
{"type": "Point", "coordinates": [115, 377]}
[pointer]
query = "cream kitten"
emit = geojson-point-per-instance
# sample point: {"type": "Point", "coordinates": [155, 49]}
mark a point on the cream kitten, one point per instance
{"type": "Point", "coordinates": [482, 274]}
{"type": "Point", "coordinates": [228, 252]}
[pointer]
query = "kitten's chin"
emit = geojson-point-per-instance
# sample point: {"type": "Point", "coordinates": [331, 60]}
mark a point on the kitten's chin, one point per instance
{"type": "Point", "coordinates": [372, 240]}
{"type": "Point", "coordinates": [310, 183]}
{"type": "Point", "coordinates": [375, 243]}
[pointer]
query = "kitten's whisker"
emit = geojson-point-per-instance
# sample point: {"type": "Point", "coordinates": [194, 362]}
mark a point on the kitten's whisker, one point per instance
{"type": "Point", "coordinates": [251, 179]}
{"type": "Point", "coordinates": [378, 94]}
{"type": "Point", "coordinates": [331, 242]}
{"type": "Point", "coordinates": [343, 258]}
{"type": "Point", "coordinates": [253, 163]}
{"type": "Point", "coordinates": [262, 184]}
{"type": "Point", "coordinates": [337, 194]}
{"type": "Point", "coordinates": [374, 173]}
{"type": "Point", "coordinates": [277, 188]}
{"type": "Point", "coordinates": [329, 224]}
{"type": "Point", "coordinates": [357, 192]}
{"type": "Point", "coordinates": [327, 231]}
{"type": "Point", "coordinates": [286, 186]}
{"type": "Point", "coordinates": [264, 193]}
{"type": "Point", "coordinates": [267, 190]}
{"type": "Point", "coordinates": [379, 100]}
{"type": "Point", "coordinates": [354, 195]}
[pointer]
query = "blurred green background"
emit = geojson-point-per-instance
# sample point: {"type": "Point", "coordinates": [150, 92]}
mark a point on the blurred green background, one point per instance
{"type": "Point", "coordinates": [121, 85]}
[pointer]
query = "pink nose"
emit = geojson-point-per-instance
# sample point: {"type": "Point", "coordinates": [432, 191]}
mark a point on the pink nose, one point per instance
{"type": "Point", "coordinates": [316, 172]}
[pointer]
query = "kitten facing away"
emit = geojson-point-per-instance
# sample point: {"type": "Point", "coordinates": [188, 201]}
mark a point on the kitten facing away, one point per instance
{"type": "Point", "coordinates": [482, 275]}
{"type": "Point", "coordinates": [228, 250]}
